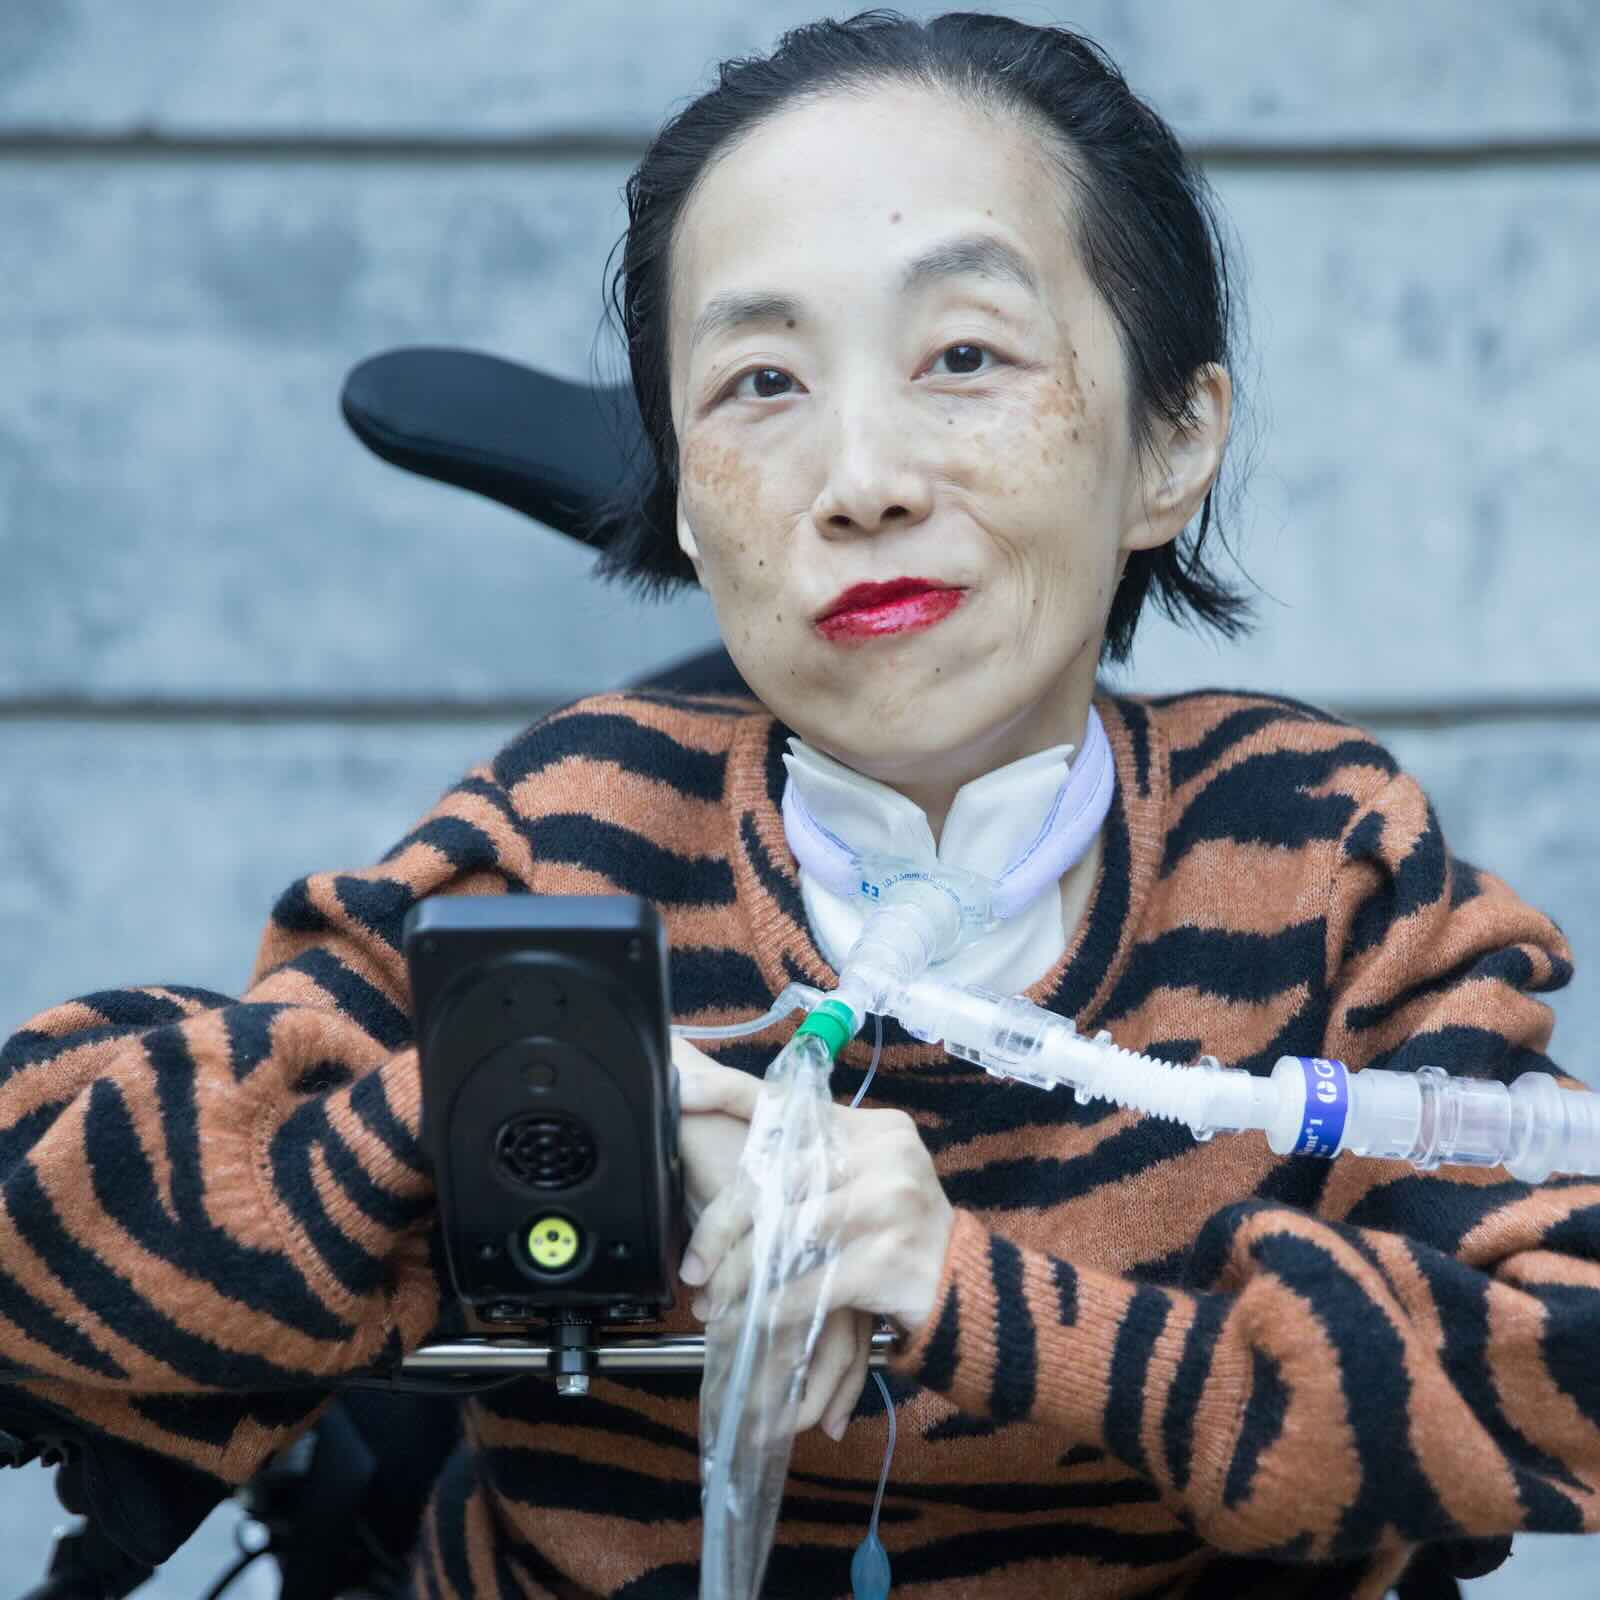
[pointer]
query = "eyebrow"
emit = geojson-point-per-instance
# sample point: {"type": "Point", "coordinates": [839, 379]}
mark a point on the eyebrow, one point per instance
{"type": "Point", "coordinates": [977, 255]}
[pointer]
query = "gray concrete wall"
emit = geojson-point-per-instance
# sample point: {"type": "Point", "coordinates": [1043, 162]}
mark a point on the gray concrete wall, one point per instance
{"type": "Point", "coordinates": [234, 647]}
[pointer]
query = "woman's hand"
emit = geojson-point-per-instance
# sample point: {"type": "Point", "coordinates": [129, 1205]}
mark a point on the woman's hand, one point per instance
{"type": "Point", "coordinates": [890, 1215]}
{"type": "Point", "coordinates": [710, 1141]}
{"type": "Point", "coordinates": [717, 1103]}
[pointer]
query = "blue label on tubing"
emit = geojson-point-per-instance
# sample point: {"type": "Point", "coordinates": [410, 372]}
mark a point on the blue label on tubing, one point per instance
{"type": "Point", "coordinates": [1327, 1106]}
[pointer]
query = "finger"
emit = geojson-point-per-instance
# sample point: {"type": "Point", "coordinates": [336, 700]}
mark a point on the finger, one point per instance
{"type": "Point", "coordinates": [687, 1054]}
{"type": "Point", "coordinates": [722, 1224]}
{"type": "Point", "coordinates": [873, 1124]}
{"type": "Point", "coordinates": [790, 1302]}
{"type": "Point", "coordinates": [732, 1213]}
{"type": "Point", "coordinates": [834, 1390]}
{"type": "Point", "coordinates": [796, 1276]}
{"type": "Point", "coordinates": [830, 1361]}
{"type": "Point", "coordinates": [726, 1288]}
{"type": "Point", "coordinates": [806, 1237]}
{"type": "Point", "coordinates": [705, 1085]}
{"type": "Point", "coordinates": [777, 1393]}
{"type": "Point", "coordinates": [710, 1144]}
{"type": "Point", "coordinates": [842, 1405]}
{"type": "Point", "coordinates": [811, 1235]}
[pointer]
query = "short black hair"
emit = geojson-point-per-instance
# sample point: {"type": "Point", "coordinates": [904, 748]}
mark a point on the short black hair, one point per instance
{"type": "Point", "coordinates": [1148, 229]}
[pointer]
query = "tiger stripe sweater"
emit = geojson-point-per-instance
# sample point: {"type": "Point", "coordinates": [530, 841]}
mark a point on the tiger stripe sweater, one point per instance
{"type": "Point", "coordinates": [1155, 1366]}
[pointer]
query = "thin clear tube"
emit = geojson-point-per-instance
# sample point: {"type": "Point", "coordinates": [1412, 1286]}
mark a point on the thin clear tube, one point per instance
{"type": "Point", "coordinates": [869, 1566]}
{"type": "Point", "coordinates": [793, 997]}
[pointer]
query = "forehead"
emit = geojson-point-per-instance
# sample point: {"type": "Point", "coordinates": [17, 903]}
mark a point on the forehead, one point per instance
{"type": "Point", "coordinates": [853, 184]}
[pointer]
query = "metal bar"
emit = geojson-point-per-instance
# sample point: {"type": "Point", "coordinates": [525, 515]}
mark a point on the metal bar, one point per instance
{"type": "Point", "coordinates": [686, 1353]}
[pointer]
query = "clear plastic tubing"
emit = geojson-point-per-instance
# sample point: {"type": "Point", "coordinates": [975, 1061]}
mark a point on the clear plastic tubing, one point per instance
{"type": "Point", "coordinates": [794, 997]}
{"type": "Point", "coordinates": [1307, 1106]}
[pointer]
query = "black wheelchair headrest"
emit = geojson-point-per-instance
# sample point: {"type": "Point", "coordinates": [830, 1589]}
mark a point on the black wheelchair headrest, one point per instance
{"type": "Point", "coordinates": [541, 445]}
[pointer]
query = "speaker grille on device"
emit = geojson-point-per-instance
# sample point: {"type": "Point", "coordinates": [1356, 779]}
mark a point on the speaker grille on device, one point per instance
{"type": "Point", "coordinates": [545, 1152]}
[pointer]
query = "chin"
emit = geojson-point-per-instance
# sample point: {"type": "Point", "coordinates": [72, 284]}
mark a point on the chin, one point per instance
{"type": "Point", "coordinates": [866, 732]}
{"type": "Point", "coordinates": [881, 746]}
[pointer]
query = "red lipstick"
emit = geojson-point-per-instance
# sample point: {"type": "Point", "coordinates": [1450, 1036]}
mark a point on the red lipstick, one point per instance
{"type": "Point", "coordinates": [870, 610]}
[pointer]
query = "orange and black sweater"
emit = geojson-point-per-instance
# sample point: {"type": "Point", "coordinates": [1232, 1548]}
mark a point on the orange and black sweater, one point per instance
{"type": "Point", "coordinates": [1156, 1366]}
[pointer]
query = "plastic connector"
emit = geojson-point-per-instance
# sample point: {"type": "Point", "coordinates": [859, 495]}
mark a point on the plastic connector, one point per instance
{"type": "Point", "coordinates": [834, 1024]}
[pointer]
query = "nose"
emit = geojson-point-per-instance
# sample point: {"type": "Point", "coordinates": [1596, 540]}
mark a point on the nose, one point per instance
{"type": "Point", "coordinates": [874, 483]}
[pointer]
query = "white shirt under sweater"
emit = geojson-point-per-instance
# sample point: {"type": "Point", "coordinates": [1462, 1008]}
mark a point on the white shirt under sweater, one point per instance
{"type": "Point", "coordinates": [990, 822]}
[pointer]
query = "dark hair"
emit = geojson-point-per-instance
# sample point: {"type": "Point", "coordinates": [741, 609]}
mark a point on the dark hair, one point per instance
{"type": "Point", "coordinates": [1148, 232]}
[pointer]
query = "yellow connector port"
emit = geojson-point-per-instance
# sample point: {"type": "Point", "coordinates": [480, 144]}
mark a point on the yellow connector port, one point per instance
{"type": "Point", "coordinates": [552, 1243]}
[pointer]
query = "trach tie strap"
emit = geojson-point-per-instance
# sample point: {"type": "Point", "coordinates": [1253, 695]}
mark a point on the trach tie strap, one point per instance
{"type": "Point", "coordinates": [1068, 829]}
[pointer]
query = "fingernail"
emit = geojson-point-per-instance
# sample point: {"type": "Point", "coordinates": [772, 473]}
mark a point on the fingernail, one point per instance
{"type": "Point", "coordinates": [693, 1269]}
{"type": "Point", "coordinates": [699, 1306]}
{"type": "Point", "coordinates": [834, 1430]}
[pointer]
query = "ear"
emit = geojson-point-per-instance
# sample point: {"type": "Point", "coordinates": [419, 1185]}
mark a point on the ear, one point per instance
{"type": "Point", "coordinates": [1182, 463]}
{"type": "Point", "coordinates": [686, 539]}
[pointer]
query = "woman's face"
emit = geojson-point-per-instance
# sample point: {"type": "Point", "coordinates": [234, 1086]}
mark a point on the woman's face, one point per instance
{"type": "Point", "coordinates": [911, 379]}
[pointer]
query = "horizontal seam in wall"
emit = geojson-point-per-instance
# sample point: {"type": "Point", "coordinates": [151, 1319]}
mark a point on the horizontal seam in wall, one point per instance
{"type": "Point", "coordinates": [407, 148]}
{"type": "Point", "coordinates": [217, 711]}
{"type": "Point", "coordinates": [30, 144]}
{"type": "Point", "coordinates": [188, 709]}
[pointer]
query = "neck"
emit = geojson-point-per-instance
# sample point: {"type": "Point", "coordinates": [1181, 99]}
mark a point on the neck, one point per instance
{"type": "Point", "coordinates": [1077, 884]}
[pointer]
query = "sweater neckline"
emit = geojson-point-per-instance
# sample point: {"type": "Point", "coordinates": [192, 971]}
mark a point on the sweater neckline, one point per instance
{"type": "Point", "coordinates": [1078, 984]}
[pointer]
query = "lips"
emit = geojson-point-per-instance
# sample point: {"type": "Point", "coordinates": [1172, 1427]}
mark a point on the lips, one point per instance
{"type": "Point", "coordinates": [868, 596]}
{"type": "Point", "coordinates": [871, 610]}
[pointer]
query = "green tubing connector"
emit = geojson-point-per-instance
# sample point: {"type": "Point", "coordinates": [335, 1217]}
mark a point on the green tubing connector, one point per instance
{"type": "Point", "coordinates": [833, 1023]}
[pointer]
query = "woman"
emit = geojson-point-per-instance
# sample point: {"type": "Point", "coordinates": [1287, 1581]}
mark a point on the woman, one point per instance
{"type": "Point", "coordinates": [929, 335]}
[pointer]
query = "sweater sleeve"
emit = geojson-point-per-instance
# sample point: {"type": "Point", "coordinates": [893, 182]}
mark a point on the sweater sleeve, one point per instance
{"type": "Point", "coordinates": [212, 1209]}
{"type": "Point", "coordinates": [1412, 1359]}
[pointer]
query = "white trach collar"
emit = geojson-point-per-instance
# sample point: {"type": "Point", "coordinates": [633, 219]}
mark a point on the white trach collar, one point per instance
{"type": "Point", "coordinates": [1022, 825]}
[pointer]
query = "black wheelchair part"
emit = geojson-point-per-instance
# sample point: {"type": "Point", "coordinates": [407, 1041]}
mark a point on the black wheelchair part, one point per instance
{"type": "Point", "coordinates": [340, 1508]}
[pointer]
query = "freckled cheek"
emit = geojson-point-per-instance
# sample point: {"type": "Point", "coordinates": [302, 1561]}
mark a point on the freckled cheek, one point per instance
{"type": "Point", "coordinates": [1051, 440]}
{"type": "Point", "coordinates": [741, 556]}
{"type": "Point", "coordinates": [719, 501]}
{"type": "Point", "coordinates": [1034, 464]}
{"type": "Point", "coordinates": [721, 485]}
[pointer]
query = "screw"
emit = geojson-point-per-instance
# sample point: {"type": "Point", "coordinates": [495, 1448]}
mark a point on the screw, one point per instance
{"type": "Point", "coordinates": [572, 1383]}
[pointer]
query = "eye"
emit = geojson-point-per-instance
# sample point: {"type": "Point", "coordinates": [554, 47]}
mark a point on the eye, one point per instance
{"type": "Point", "coordinates": [965, 356]}
{"type": "Point", "coordinates": [766, 381]}
{"type": "Point", "coordinates": [762, 389]}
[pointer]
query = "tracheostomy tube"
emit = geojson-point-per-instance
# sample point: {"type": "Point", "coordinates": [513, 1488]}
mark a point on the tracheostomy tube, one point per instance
{"type": "Point", "coordinates": [922, 914]}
